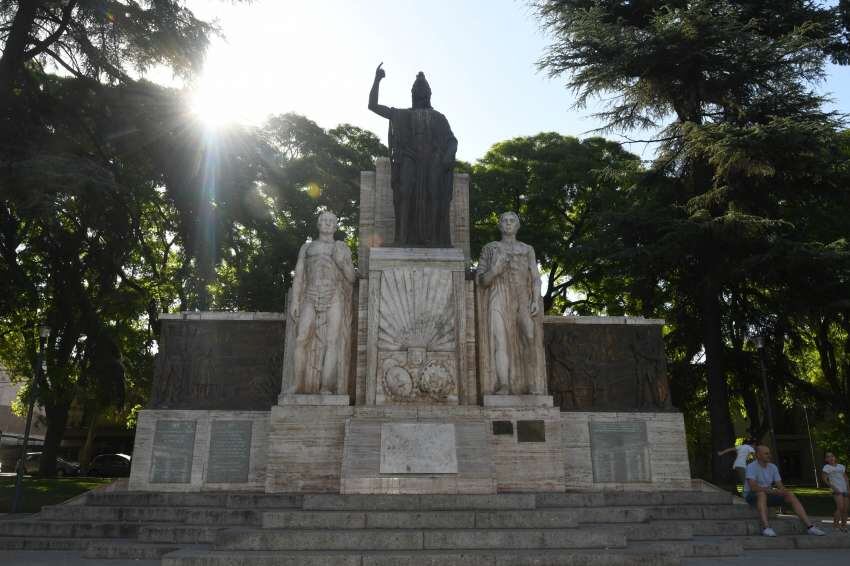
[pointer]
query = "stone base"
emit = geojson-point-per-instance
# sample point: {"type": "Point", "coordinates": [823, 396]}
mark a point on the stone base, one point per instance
{"type": "Point", "coordinates": [497, 449]}
{"type": "Point", "coordinates": [624, 451]}
{"type": "Point", "coordinates": [518, 401]}
{"type": "Point", "coordinates": [182, 451]}
{"type": "Point", "coordinates": [305, 448]}
{"type": "Point", "coordinates": [314, 400]}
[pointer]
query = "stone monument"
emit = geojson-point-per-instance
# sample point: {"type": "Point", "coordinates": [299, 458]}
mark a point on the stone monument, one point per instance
{"type": "Point", "coordinates": [413, 373]}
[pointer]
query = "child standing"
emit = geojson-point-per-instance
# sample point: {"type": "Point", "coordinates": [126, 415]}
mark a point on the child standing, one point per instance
{"type": "Point", "coordinates": [835, 475]}
{"type": "Point", "coordinates": [742, 452]}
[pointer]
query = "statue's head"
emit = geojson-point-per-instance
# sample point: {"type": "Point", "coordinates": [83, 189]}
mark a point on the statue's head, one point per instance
{"type": "Point", "coordinates": [509, 223]}
{"type": "Point", "coordinates": [327, 222]}
{"type": "Point", "coordinates": [421, 92]}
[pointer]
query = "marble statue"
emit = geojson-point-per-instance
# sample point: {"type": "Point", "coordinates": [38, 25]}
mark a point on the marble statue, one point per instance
{"type": "Point", "coordinates": [422, 155]}
{"type": "Point", "coordinates": [320, 315]}
{"type": "Point", "coordinates": [511, 312]}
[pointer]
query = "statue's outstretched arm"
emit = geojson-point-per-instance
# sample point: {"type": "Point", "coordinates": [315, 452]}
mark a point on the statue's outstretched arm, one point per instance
{"type": "Point", "coordinates": [379, 109]}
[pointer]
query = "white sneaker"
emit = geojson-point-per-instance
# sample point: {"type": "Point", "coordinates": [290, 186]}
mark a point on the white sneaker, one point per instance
{"type": "Point", "coordinates": [813, 530]}
{"type": "Point", "coordinates": [768, 532]}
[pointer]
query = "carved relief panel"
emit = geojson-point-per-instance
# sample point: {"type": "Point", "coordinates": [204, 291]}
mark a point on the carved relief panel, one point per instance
{"type": "Point", "coordinates": [417, 327]}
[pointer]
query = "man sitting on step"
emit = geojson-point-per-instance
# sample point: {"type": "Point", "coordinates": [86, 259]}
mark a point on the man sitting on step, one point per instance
{"type": "Point", "coordinates": [763, 488]}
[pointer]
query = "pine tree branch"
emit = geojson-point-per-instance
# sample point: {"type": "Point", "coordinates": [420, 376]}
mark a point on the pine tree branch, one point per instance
{"type": "Point", "coordinates": [41, 46]}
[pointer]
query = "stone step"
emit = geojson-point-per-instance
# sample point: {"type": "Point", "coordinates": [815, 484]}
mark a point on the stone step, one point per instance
{"type": "Point", "coordinates": [189, 515]}
{"type": "Point", "coordinates": [420, 558]}
{"type": "Point", "coordinates": [611, 514]}
{"type": "Point", "coordinates": [801, 542]}
{"type": "Point", "coordinates": [514, 519]}
{"type": "Point", "coordinates": [222, 500]}
{"type": "Point", "coordinates": [712, 527]}
{"type": "Point", "coordinates": [692, 548]}
{"type": "Point", "coordinates": [67, 529]}
{"type": "Point", "coordinates": [43, 543]}
{"type": "Point", "coordinates": [412, 539]}
{"type": "Point", "coordinates": [179, 534]}
{"type": "Point", "coordinates": [695, 512]}
{"type": "Point", "coordinates": [127, 550]}
{"type": "Point", "coordinates": [632, 498]}
{"type": "Point", "coordinates": [653, 531]}
{"type": "Point", "coordinates": [332, 502]}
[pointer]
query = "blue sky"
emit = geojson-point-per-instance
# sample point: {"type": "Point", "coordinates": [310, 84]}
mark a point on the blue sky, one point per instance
{"type": "Point", "coordinates": [318, 59]}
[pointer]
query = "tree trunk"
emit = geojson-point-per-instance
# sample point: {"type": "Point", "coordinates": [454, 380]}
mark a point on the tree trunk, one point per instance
{"type": "Point", "coordinates": [88, 448]}
{"type": "Point", "coordinates": [57, 418]}
{"type": "Point", "coordinates": [722, 431]}
{"type": "Point", "coordinates": [12, 59]}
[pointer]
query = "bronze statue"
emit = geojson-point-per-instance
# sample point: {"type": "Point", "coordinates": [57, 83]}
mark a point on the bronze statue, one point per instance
{"type": "Point", "coordinates": [422, 155]}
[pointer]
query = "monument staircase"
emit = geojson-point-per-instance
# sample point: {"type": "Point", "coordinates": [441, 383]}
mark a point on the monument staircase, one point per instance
{"type": "Point", "coordinates": [229, 529]}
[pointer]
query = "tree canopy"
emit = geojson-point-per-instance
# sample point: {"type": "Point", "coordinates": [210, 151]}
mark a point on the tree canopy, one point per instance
{"type": "Point", "coordinates": [748, 159]}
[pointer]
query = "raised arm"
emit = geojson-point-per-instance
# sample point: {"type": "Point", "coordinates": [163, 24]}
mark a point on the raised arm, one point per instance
{"type": "Point", "coordinates": [379, 109]}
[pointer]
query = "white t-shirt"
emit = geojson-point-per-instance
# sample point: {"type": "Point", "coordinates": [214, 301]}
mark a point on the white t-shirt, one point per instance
{"type": "Point", "coordinates": [743, 451]}
{"type": "Point", "coordinates": [836, 477]}
{"type": "Point", "coordinates": [765, 476]}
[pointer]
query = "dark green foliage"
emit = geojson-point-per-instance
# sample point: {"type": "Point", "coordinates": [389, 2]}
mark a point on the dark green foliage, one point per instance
{"type": "Point", "coordinates": [737, 218]}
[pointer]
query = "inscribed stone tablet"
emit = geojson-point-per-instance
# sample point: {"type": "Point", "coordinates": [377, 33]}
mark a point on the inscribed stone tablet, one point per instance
{"type": "Point", "coordinates": [531, 431]}
{"type": "Point", "coordinates": [619, 451]}
{"type": "Point", "coordinates": [418, 448]}
{"type": "Point", "coordinates": [173, 451]}
{"type": "Point", "coordinates": [230, 451]}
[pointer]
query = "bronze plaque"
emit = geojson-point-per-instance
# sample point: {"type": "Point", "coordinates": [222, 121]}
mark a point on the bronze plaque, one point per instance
{"type": "Point", "coordinates": [173, 451]}
{"type": "Point", "coordinates": [230, 451]}
{"type": "Point", "coordinates": [503, 428]}
{"type": "Point", "coordinates": [531, 431]}
{"type": "Point", "coordinates": [619, 451]}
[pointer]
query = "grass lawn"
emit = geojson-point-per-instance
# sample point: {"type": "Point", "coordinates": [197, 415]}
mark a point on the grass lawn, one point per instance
{"type": "Point", "coordinates": [38, 492]}
{"type": "Point", "coordinates": [817, 501]}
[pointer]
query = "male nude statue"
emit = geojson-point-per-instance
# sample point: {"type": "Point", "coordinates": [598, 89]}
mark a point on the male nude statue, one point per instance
{"type": "Point", "coordinates": [321, 304]}
{"type": "Point", "coordinates": [508, 270]}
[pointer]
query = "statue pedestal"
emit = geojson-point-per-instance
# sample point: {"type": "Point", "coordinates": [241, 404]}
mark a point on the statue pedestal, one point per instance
{"type": "Point", "coordinates": [518, 401]}
{"type": "Point", "coordinates": [314, 400]}
{"type": "Point", "coordinates": [417, 346]}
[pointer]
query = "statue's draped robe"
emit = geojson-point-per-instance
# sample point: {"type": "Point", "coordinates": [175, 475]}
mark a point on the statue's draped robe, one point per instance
{"type": "Point", "coordinates": [422, 153]}
{"type": "Point", "coordinates": [506, 303]}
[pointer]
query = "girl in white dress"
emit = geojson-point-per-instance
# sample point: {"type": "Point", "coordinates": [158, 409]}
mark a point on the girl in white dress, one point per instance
{"type": "Point", "coordinates": [835, 476]}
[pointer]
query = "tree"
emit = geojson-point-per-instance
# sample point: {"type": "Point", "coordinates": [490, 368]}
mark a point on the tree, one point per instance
{"type": "Point", "coordinates": [733, 79]}
{"type": "Point", "coordinates": [74, 188]}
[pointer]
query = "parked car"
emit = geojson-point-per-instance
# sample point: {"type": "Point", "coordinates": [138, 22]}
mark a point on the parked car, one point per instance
{"type": "Point", "coordinates": [110, 465]}
{"type": "Point", "coordinates": [63, 466]}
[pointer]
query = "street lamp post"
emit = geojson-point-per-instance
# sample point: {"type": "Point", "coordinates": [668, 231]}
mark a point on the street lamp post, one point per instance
{"type": "Point", "coordinates": [43, 333]}
{"type": "Point", "coordinates": [759, 343]}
